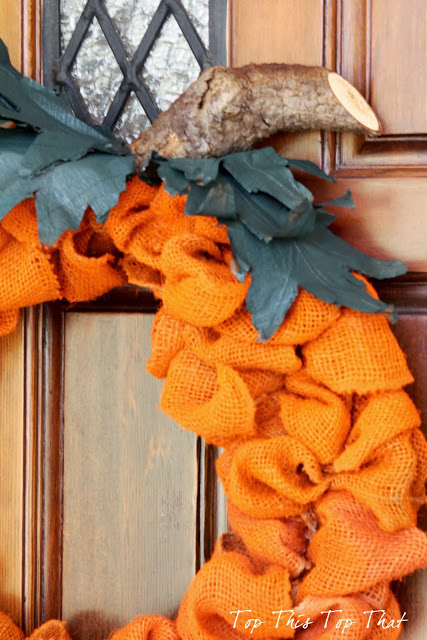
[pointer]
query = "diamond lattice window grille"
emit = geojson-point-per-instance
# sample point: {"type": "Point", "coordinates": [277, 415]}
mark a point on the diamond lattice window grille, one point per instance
{"type": "Point", "coordinates": [134, 91]}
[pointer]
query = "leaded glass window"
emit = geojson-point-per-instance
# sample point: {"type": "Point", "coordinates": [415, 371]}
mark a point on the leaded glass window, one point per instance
{"type": "Point", "coordinates": [121, 62]}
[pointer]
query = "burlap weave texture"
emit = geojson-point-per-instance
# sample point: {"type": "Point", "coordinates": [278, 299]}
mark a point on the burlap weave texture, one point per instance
{"type": "Point", "coordinates": [324, 464]}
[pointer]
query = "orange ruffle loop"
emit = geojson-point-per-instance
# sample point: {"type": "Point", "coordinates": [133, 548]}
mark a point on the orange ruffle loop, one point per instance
{"type": "Point", "coordinates": [51, 630]}
{"type": "Point", "coordinates": [419, 444]}
{"type": "Point", "coordinates": [377, 419]}
{"type": "Point", "coordinates": [199, 288]}
{"type": "Point", "coordinates": [356, 617]}
{"type": "Point", "coordinates": [142, 275]}
{"type": "Point", "coordinates": [267, 416]}
{"type": "Point", "coordinates": [385, 483]}
{"type": "Point", "coordinates": [144, 220]}
{"type": "Point", "coordinates": [82, 273]}
{"type": "Point", "coordinates": [276, 542]}
{"type": "Point", "coordinates": [261, 381]}
{"type": "Point", "coordinates": [9, 630]}
{"type": "Point", "coordinates": [130, 212]}
{"type": "Point", "coordinates": [358, 354]}
{"type": "Point", "coordinates": [214, 403]}
{"type": "Point", "coordinates": [166, 342]}
{"type": "Point", "coordinates": [147, 628]}
{"type": "Point", "coordinates": [315, 415]}
{"type": "Point", "coordinates": [351, 553]}
{"type": "Point", "coordinates": [27, 276]}
{"type": "Point", "coordinates": [223, 586]}
{"type": "Point", "coordinates": [8, 321]}
{"type": "Point", "coordinates": [214, 348]}
{"type": "Point", "coordinates": [273, 478]}
{"type": "Point", "coordinates": [307, 318]}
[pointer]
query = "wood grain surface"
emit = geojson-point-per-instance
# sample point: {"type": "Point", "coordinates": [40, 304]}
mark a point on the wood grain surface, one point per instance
{"type": "Point", "coordinates": [380, 48]}
{"type": "Point", "coordinates": [265, 32]}
{"type": "Point", "coordinates": [130, 481]}
{"type": "Point", "coordinates": [89, 467]}
{"type": "Point", "coordinates": [12, 358]}
{"type": "Point", "coordinates": [11, 29]}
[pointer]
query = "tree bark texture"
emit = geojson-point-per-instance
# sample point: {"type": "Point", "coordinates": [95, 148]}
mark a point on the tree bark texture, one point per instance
{"type": "Point", "coordinates": [227, 110]}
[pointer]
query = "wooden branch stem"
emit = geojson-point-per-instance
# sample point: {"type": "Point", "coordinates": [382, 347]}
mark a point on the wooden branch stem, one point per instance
{"type": "Point", "coordinates": [227, 110]}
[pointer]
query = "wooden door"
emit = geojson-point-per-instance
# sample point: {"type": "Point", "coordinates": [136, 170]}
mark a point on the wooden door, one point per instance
{"type": "Point", "coordinates": [107, 508]}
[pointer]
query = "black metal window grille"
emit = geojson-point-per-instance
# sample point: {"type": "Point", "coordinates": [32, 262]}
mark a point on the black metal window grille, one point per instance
{"type": "Point", "coordinates": [57, 68]}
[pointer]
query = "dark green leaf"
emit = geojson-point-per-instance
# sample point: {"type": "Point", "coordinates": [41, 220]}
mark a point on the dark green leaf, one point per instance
{"type": "Point", "coordinates": [13, 146]}
{"type": "Point", "coordinates": [4, 53]}
{"type": "Point", "coordinates": [65, 192]}
{"type": "Point", "coordinates": [309, 167]}
{"type": "Point", "coordinates": [320, 262]}
{"type": "Point", "coordinates": [343, 253]}
{"type": "Point", "coordinates": [254, 186]}
{"type": "Point", "coordinates": [62, 136]}
{"type": "Point", "coordinates": [68, 164]}
{"type": "Point", "coordinates": [269, 297]}
{"type": "Point", "coordinates": [324, 217]}
{"type": "Point", "coordinates": [175, 182]}
{"type": "Point", "coordinates": [283, 247]}
{"type": "Point", "coordinates": [324, 271]}
{"type": "Point", "coordinates": [217, 199]}
{"type": "Point", "coordinates": [264, 170]}
{"type": "Point", "coordinates": [298, 222]}
{"type": "Point", "coordinates": [266, 217]}
{"type": "Point", "coordinates": [201, 170]}
{"type": "Point", "coordinates": [343, 201]}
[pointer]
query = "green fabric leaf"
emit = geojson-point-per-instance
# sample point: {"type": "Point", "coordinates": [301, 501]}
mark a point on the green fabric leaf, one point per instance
{"type": "Point", "coordinates": [216, 199]}
{"type": "Point", "coordinates": [14, 143]}
{"type": "Point", "coordinates": [62, 136]}
{"type": "Point", "coordinates": [269, 297]}
{"type": "Point", "coordinates": [309, 167]}
{"type": "Point", "coordinates": [202, 170]}
{"type": "Point", "coordinates": [324, 217]}
{"type": "Point", "coordinates": [264, 170]}
{"type": "Point", "coordinates": [68, 164]}
{"type": "Point", "coordinates": [178, 184]}
{"type": "Point", "coordinates": [319, 262]}
{"type": "Point", "coordinates": [343, 201]}
{"type": "Point", "coordinates": [256, 187]}
{"type": "Point", "coordinates": [323, 262]}
{"type": "Point", "coordinates": [276, 232]}
{"type": "Point", "coordinates": [64, 193]}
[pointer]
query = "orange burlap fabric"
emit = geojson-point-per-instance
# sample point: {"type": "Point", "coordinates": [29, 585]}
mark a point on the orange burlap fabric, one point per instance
{"type": "Point", "coordinates": [324, 463]}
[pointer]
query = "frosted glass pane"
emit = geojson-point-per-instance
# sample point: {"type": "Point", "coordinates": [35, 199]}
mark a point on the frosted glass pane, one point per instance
{"type": "Point", "coordinates": [132, 121]}
{"type": "Point", "coordinates": [96, 72]}
{"type": "Point", "coordinates": [131, 19]}
{"type": "Point", "coordinates": [71, 10]}
{"type": "Point", "coordinates": [167, 72]}
{"type": "Point", "coordinates": [198, 10]}
{"type": "Point", "coordinates": [171, 65]}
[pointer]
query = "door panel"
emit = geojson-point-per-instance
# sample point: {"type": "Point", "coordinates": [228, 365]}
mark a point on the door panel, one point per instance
{"type": "Point", "coordinates": [102, 519]}
{"type": "Point", "coordinates": [278, 31]}
{"type": "Point", "coordinates": [366, 42]}
{"type": "Point", "coordinates": [398, 90]}
{"type": "Point", "coordinates": [130, 480]}
{"type": "Point", "coordinates": [374, 37]}
{"type": "Point", "coordinates": [11, 470]}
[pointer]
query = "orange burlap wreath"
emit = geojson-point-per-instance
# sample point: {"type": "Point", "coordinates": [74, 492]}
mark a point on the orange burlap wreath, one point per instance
{"type": "Point", "coordinates": [324, 463]}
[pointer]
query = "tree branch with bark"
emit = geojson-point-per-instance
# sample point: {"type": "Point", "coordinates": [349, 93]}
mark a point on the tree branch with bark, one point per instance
{"type": "Point", "coordinates": [227, 110]}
